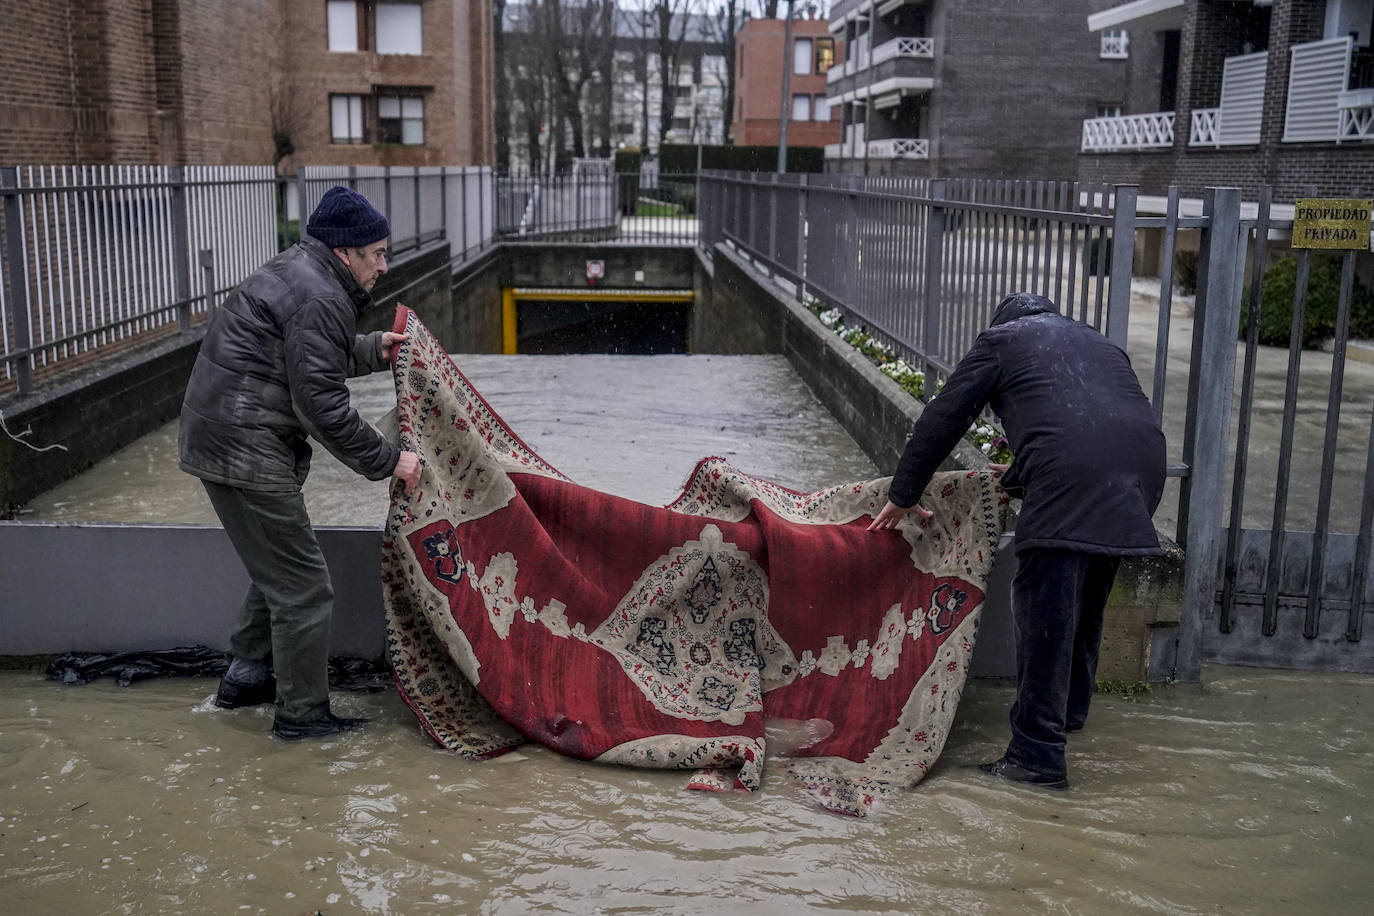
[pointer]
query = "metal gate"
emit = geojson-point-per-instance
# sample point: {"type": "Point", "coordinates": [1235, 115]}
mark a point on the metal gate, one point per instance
{"type": "Point", "coordinates": [1290, 585]}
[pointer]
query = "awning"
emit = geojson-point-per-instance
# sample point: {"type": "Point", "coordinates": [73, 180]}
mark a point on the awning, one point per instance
{"type": "Point", "coordinates": [1143, 15]}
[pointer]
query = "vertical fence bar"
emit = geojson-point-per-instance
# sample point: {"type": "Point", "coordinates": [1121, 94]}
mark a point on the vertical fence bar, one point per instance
{"type": "Point", "coordinates": [1214, 367]}
{"type": "Point", "coordinates": [1247, 395]}
{"type": "Point", "coordinates": [181, 256]}
{"type": "Point", "coordinates": [1123, 255]}
{"type": "Point", "coordinates": [1355, 623]}
{"type": "Point", "coordinates": [1290, 410]}
{"type": "Point", "coordinates": [930, 283]}
{"type": "Point", "coordinates": [1316, 574]}
{"type": "Point", "coordinates": [18, 284]}
{"type": "Point", "coordinates": [1166, 292]}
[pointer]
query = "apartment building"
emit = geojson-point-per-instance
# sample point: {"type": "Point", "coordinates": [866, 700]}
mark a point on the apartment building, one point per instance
{"type": "Point", "coordinates": [339, 82]}
{"type": "Point", "coordinates": [1258, 93]}
{"type": "Point", "coordinates": [968, 88]}
{"type": "Point", "coordinates": [760, 59]}
{"type": "Point", "coordinates": [621, 108]}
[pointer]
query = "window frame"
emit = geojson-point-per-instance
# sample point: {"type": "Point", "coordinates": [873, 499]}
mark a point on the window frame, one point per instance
{"type": "Point", "coordinates": [401, 97]}
{"type": "Point", "coordinates": [354, 105]}
{"type": "Point", "coordinates": [826, 42]}
{"type": "Point", "coordinates": [804, 97]}
{"type": "Point", "coordinates": [419, 26]}
{"type": "Point", "coordinates": [805, 60]}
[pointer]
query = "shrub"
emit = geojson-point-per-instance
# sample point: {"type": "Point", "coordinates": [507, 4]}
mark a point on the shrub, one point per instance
{"type": "Point", "coordinates": [1323, 298]}
{"type": "Point", "coordinates": [1185, 272]}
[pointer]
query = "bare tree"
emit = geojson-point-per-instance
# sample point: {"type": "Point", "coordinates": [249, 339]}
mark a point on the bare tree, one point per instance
{"type": "Point", "coordinates": [287, 114]}
{"type": "Point", "coordinates": [724, 24]}
{"type": "Point", "coordinates": [501, 114]}
{"type": "Point", "coordinates": [671, 19]}
{"type": "Point", "coordinates": [577, 35]}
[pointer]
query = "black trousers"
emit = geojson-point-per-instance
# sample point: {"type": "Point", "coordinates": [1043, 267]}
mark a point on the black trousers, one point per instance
{"type": "Point", "coordinates": [286, 613]}
{"type": "Point", "coordinates": [1058, 597]}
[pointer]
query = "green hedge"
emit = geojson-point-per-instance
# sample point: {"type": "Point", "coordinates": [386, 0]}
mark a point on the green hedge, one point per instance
{"type": "Point", "coordinates": [1323, 297]}
{"type": "Point", "coordinates": [681, 158]}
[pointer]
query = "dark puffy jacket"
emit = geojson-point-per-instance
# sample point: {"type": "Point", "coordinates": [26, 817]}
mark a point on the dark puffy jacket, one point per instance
{"type": "Point", "coordinates": [1090, 457]}
{"type": "Point", "coordinates": [272, 370]}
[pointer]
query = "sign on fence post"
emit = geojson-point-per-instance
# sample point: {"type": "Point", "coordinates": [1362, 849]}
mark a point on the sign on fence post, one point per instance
{"type": "Point", "coordinates": [1331, 223]}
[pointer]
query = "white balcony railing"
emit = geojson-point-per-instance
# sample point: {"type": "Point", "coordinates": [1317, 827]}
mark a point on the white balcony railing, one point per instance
{"type": "Point", "coordinates": [902, 148]}
{"type": "Point", "coordinates": [1357, 115]}
{"type": "Point", "coordinates": [904, 47]}
{"type": "Point", "coordinates": [899, 148]}
{"type": "Point", "coordinates": [1129, 132]}
{"type": "Point", "coordinates": [1203, 131]}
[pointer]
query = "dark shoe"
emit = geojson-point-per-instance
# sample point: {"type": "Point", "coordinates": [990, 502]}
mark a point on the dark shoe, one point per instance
{"type": "Point", "coordinates": [1073, 727]}
{"type": "Point", "coordinates": [322, 727]}
{"type": "Point", "coordinates": [1005, 769]}
{"type": "Point", "coordinates": [232, 695]}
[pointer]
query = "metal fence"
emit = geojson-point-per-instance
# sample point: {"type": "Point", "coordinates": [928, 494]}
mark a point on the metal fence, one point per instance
{"type": "Point", "coordinates": [424, 203]}
{"type": "Point", "coordinates": [596, 205]}
{"type": "Point", "coordinates": [1278, 564]}
{"type": "Point", "coordinates": [98, 257]}
{"type": "Point", "coordinates": [95, 256]}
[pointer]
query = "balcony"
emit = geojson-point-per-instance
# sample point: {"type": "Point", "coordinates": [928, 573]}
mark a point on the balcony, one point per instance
{"type": "Point", "coordinates": [1356, 107]}
{"type": "Point", "coordinates": [904, 47]}
{"type": "Point", "coordinates": [906, 61]}
{"type": "Point", "coordinates": [1128, 133]}
{"type": "Point", "coordinates": [1236, 120]}
{"type": "Point", "coordinates": [899, 148]}
{"type": "Point", "coordinates": [1324, 101]}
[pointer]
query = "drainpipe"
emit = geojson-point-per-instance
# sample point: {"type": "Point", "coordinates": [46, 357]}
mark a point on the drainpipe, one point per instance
{"type": "Point", "coordinates": [868, 99]}
{"type": "Point", "coordinates": [787, 56]}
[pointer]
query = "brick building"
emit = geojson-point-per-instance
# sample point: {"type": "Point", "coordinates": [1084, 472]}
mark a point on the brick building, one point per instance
{"type": "Point", "coordinates": [1277, 94]}
{"type": "Point", "coordinates": [759, 61]}
{"type": "Point", "coordinates": [343, 82]}
{"type": "Point", "coordinates": [969, 88]}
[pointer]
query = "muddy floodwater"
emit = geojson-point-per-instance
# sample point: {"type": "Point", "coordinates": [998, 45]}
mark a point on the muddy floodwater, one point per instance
{"type": "Point", "coordinates": [1246, 794]}
{"type": "Point", "coordinates": [1249, 794]}
{"type": "Point", "coordinates": [634, 426]}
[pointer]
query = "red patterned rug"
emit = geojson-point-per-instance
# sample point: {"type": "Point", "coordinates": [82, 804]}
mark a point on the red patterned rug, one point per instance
{"type": "Point", "coordinates": [742, 620]}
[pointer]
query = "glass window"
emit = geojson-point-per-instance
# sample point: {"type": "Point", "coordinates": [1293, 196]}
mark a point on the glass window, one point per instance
{"type": "Point", "coordinates": [822, 108]}
{"type": "Point", "coordinates": [1109, 109]}
{"type": "Point", "coordinates": [398, 28]}
{"type": "Point", "coordinates": [801, 108]}
{"type": "Point", "coordinates": [401, 119]}
{"type": "Point", "coordinates": [801, 56]}
{"type": "Point", "coordinates": [346, 119]}
{"type": "Point", "coordinates": [825, 54]}
{"type": "Point", "coordinates": [342, 17]}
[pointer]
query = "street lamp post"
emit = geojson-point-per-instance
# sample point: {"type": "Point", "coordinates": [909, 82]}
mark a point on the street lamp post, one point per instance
{"type": "Point", "coordinates": [787, 64]}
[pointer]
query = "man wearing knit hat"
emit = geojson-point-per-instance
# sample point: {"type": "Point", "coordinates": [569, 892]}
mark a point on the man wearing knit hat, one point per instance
{"type": "Point", "coordinates": [271, 371]}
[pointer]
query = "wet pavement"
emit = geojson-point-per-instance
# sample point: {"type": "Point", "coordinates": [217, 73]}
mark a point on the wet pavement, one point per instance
{"type": "Point", "coordinates": [1244, 795]}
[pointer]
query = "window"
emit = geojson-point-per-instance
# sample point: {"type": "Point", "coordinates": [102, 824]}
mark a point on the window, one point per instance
{"type": "Point", "coordinates": [822, 108]}
{"type": "Point", "coordinates": [342, 18]}
{"type": "Point", "coordinates": [801, 108]}
{"type": "Point", "coordinates": [825, 54]}
{"type": "Point", "coordinates": [401, 119]}
{"type": "Point", "coordinates": [1109, 109]}
{"type": "Point", "coordinates": [346, 119]}
{"type": "Point", "coordinates": [398, 28]}
{"type": "Point", "coordinates": [801, 56]}
{"type": "Point", "coordinates": [1115, 43]}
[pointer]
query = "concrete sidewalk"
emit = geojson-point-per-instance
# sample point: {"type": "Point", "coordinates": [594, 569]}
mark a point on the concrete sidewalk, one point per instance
{"type": "Point", "coordinates": [1266, 425]}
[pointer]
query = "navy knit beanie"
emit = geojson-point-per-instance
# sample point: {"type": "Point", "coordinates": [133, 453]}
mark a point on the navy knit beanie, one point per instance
{"type": "Point", "coordinates": [344, 219]}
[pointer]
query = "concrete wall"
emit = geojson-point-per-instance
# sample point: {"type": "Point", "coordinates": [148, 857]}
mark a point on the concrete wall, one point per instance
{"type": "Point", "coordinates": [746, 311]}
{"type": "Point", "coordinates": [565, 265]}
